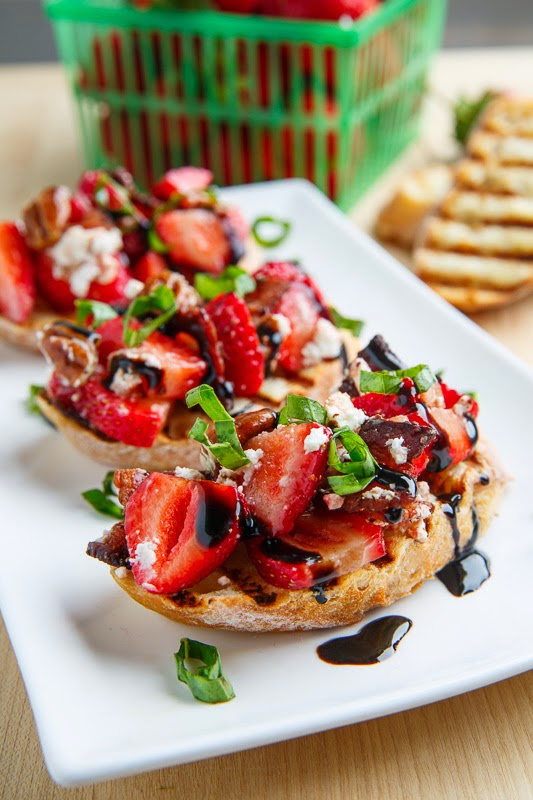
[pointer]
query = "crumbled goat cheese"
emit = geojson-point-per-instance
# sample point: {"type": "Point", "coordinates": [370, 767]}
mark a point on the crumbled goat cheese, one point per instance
{"type": "Point", "coordinates": [377, 493]}
{"type": "Point", "coordinates": [83, 255]}
{"type": "Point", "coordinates": [254, 457]}
{"type": "Point", "coordinates": [132, 288]}
{"type": "Point", "coordinates": [188, 474]}
{"type": "Point", "coordinates": [342, 411]}
{"type": "Point", "coordinates": [333, 501]}
{"type": "Point", "coordinates": [227, 477]}
{"type": "Point", "coordinates": [275, 389]}
{"type": "Point", "coordinates": [121, 572]}
{"type": "Point", "coordinates": [124, 382]}
{"type": "Point", "coordinates": [326, 344]}
{"type": "Point", "coordinates": [315, 439]}
{"type": "Point", "coordinates": [283, 481]}
{"type": "Point", "coordinates": [397, 449]}
{"type": "Point", "coordinates": [283, 324]}
{"type": "Point", "coordinates": [224, 580]}
{"type": "Point", "coordinates": [145, 555]}
{"type": "Point", "coordinates": [419, 533]}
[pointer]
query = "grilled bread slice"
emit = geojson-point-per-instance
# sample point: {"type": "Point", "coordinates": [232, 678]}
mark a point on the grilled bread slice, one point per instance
{"type": "Point", "coordinates": [237, 598]}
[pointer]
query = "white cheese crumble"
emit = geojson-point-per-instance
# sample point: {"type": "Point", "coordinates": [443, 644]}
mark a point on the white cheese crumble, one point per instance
{"type": "Point", "coordinates": [283, 324]}
{"type": "Point", "coordinates": [397, 449]}
{"type": "Point", "coordinates": [342, 411]}
{"type": "Point", "coordinates": [188, 474]}
{"type": "Point", "coordinates": [121, 572]}
{"type": "Point", "coordinates": [254, 457]}
{"type": "Point", "coordinates": [124, 382]}
{"type": "Point", "coordinates": [227, 477]}
{"type": "Point", "coordinates": [145, 556]}
{"type": "Point", "coordinates": [132, 288]}
{"type": "Point", "coordinates": [420, 532]}
{"type": "Point", "coordinates": [315, 439]}
{"type": "Point", "coordinates": [377, 493]}
{"type": "Point", "coordinates": [333, 501]}
{"type": "Point", "coordinates": [326, 344]}
{"type": "Point", "coordinates": [223, 580]}
{"type": "Point", "coordinates": [82, 256]}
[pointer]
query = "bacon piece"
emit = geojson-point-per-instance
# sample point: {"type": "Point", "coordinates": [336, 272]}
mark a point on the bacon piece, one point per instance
{"type": "Point", "coordinates": [47, 217]}
{"type": "Point", "coordinates": [112, 548]}
{"type": "Point", "coordinates": [127, 481]}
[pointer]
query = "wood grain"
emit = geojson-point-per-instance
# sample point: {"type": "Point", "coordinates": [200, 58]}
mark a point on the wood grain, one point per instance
{"type": "Point", "coordinates": [476, 746]}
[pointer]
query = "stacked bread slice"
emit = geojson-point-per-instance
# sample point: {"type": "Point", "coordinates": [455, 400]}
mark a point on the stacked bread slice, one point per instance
{"type": "Point", "coordinates": [476, 250]}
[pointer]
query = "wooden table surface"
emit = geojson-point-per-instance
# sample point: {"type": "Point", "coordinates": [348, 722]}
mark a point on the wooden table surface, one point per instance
{"type": "Point", "coordinates": [474, 746]}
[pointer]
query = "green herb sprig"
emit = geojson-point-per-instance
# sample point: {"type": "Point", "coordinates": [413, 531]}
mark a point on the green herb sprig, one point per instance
{"type": "Point", "coordinates": [356, 473]}
{"type": "Point", "coordinates": [279, 236]}
{"type": "Point", "coordinates": [233, 279]}
{"type": "Point", "coordinates": [227, 449]}
{"type": "Point", "coordinates": [466, 113]}
{"type": "Point", "coordinates": [160, 299]}
{"type": "Point", "coordinates": [389, 382]}
{"type": "Point", "coordinates": [102, 499]}
{"type": "Point", "coordinates": [100, 312]}
{"type": "Point", "coordinates": [205, 679]}
{"type": "Point", "coordinates": [355, 326]}
{"type": "Point", "coordinates": [301, 409]}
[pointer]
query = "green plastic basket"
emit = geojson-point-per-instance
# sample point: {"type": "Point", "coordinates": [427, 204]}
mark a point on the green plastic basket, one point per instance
{"type": "Point", "coordinates": [252, 98]}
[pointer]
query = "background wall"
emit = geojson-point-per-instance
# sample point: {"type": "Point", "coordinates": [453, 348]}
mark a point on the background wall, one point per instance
{"type": "Point", "coordinates": [26, 36]}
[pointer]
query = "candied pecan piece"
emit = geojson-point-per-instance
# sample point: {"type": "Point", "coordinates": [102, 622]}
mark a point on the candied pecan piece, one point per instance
{"type": "Point", "coordinates": [253, 422]}
{"type": "Point", "coordinates": [112, 548]}
{"type": "Point", "coordinates": [71, 350]}
{"type": "Point", "coordinates": [186, 295]}
{"type": "Point", "coordinates": [47, 217]}
{"type": "Point", "coordinates": [393, 443]}
{"type": "Point", "coordinates": [379, 356]}
{"type": "Point", "coordinates": [126, 481]}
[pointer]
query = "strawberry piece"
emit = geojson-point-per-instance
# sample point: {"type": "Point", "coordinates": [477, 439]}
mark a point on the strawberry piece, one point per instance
{"type": "Point", "coordinates": [135, 423]}
{"type": "Point", "coordinates": [181, 181]}
{"type": "Point", "coordinates": [58, 294]}
{"type": "Point", "coordinates": [112, 336]}
{"type": "Point", "coordinates": [321, 545]}
{"type": "Point", "coordinates": [134, 245]}
{"type": "Point", "coordinates": [454, 443]}
{"type": "Point", "coordinates": [237, 6]}
{"type": "Point", "coordinates": [241, 349]}
{"type": "Point", "coordinates": [288, 272]}
{"type": "Point", "coordinates": [196, 238]}
{"type": "Point", "coordinates": [167, 370]}
{"type": "Point", "coordinates": [386, 405]}
{"type": "Point", "coordinates": [179, 531]}
{"type": "Point", "coordinates": [149, 266]}
{"type": "Point", "coordinates": [79, 207]}
{"type": "Point", "coordinates": [450, 395]}
{"type": "Point", "coordinates": [280, 486]}
{"type": "Point", "coordinates": [302, 311]}
{"type": "Point", "coordinates": [17, 287]}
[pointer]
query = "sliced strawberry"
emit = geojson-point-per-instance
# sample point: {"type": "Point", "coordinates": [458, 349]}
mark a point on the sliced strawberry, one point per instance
{"type": "Point", "coordinates": [163, 369]}
{"type": "Point", "coordinates": [179, 531]}
{"type": "Point", "coordinates": [322, 544]}
{"type": "Point", "coordinates": [450, 395]}
{"type": "Point", "coordinates": [181, 181]}
{"type": "Point", "coordinates": [280, 486]}
{"type": "Point", "coordinates": [149, 266]}
{"type": "Point", "coordinates": [454, 443]}
{"type": "Point", "coordinates": [135, 423]}
{"type": "Point", "coordinates": [386, 405]}
{"type": "Point", "coordinates": [58, 294]}
{"type": "Point", "coordinates": [112, 337]}
{"type": "Point", "coordinates": [17, 287]}
{"type": "Point", "coordinates": [302, 311]}
{"type": "Point", "coordinates": [289, 272]}
{"type": "Point", "coordinates": [243, 357]}
{"type": "Point", "coordinates": [196, 238]}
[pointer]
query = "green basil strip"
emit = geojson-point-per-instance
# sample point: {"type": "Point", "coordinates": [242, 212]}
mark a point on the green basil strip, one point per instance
{"type": "Point", "coordinates": [101, 196]}
{"type": "Point", "coordinates": [207, 682]}
{"type": "Point", "coordinates": [160, 299]}
{"type": "Point", "coordinates": [233, 279]}
{"type": "Point", "coordinates": [31, 402]}
{"type": "Point", "coordinates": [473, 395]}
{"type": "Point", "coordinates": [155, 242]}
{"type": "Point", "coordinates": [355, 326]}
{"type": "Point", "coordinates": [284, 228]}
{"type": "Point", "coordinates": [100, 312]}
{"type": "Point", "coordinates": [356, 473]}
{"type": "Point", "coordinates": [108, 484]}
{"type": "Point", "coordinates": [385, 382]}
{"type": "Point", "coordinates": [301, 409]}
{"type": "Point", "coordinates": [467, 112]}
{"type": "Point", "coordinates": [102, 503]}
{"type": "Point", "coordinates": [227, 449]}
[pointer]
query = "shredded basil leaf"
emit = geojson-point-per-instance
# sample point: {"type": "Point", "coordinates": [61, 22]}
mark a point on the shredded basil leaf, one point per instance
{"type": "Point", "coordinates": [155, 242]}
{"type": "Point", "coordinates": [227, 449]}
{"type": "Point", "coordinates": [284, 228]}
{"type": "Point", "coordinates": [473, 395]}
{"type": "Point", "coordinates": [100, 312]}
{"type": "Point", "coordinates": [356, 473]}
{"type": "Point", "coordinates": [466, 113]}
{"type": "Point", "coordinates": [389, 382]}
{"type": "Point", "coordinates": [206, 681]}
{"type": "Point", "coordinates": [31, 402]}
{"type": "Point", "coordinates": [102, 499]}
{"type": "Point", "coordinates": [102, 198]}
{"type": "Point", "coordinates": [233, 279]}
{"type": "Point", "coordinates": [160, 299]}
{"type": "Point", "coordinates": [355, 326]}
{"type": "Point", "coordinates": [301, 409]}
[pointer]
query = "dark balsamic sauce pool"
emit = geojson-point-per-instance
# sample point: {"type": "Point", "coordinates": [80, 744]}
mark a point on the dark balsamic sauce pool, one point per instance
{"type": "Point", "coordinates": [469, 569]}
{"type": "Point", "coordinates": [375, 642]}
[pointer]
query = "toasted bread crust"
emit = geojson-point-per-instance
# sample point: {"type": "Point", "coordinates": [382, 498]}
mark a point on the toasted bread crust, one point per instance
{"type": "Point", "coordinates": [237, 598]}
{"type": "Point", "coordinates": [26, 335]}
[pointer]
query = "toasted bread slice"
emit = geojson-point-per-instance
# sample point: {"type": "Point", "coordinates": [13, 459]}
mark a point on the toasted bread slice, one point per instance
{"type": "Point", "coordinates": [509, 116]}
{"type": "Point", "coordinates": [494, 178]}
{"type": "Point", "coordinates": [472, 270]}
{"type": "Point", "coordinates": [26, 335]}
{"type": "Point", "coordinates": [471, 299]}
{"type": "Point", "coordinates": [503, 150]}
{"type": "Point", "coordinates": [419, 192]}
{"type": "Point", "coordinates": [237, 598]}
{"type": "Point", "coordinates": [477, 207]}
{"type": "Point", "coordinates": [174, 448]}
{"type": "Point", "coordinates": [504, 240]}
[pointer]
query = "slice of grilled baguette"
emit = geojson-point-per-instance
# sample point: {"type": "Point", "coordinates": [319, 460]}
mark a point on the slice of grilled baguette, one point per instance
{"type": "Point", "coordinates": [237, 598]}
{"type": "Point", "coordinates": [26, 335]}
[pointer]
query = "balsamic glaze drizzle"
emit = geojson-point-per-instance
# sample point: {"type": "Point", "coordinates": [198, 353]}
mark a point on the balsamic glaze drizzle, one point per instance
{"type": "Point", "coordinates": [396, 480]}
{"type": "Point", "coordinates": [469, 569]}
{"type": "Point", "coordinates": [375, 642]}
{"type": "Point", "coordinates": [282, 551]}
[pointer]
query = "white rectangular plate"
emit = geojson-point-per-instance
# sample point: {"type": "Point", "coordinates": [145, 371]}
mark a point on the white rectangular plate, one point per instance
{"type": "Point", "coordinates": [99, 669]}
